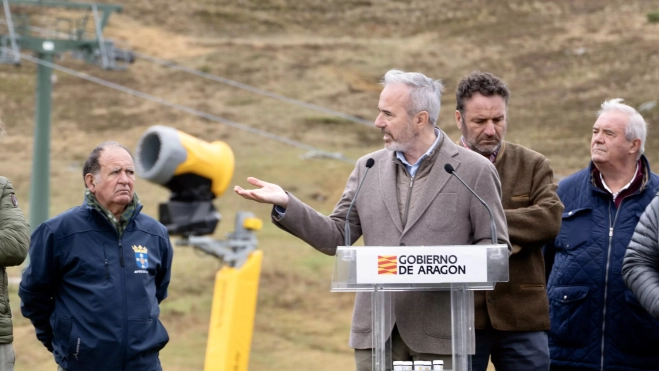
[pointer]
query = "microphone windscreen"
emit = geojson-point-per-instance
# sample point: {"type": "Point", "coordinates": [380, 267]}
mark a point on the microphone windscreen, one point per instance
{"type": "Point", "coordinates": [449, 168]}
{"type": "Point", "coordinates": [370, 162]}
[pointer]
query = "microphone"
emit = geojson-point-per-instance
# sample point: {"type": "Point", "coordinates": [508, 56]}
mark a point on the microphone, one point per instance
{"type": "Point", "coordinates": [346, 233]}
{"type": "Point", "coordinates": [493, 228]}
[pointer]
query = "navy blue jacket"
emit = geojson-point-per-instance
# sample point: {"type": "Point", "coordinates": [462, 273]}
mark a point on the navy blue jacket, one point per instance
{"type": "Point", "coordinates": [596, 323]}
{"type": "Point", "coordinates": [92, 297]}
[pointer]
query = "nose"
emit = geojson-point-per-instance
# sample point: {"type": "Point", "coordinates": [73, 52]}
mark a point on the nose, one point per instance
{"type": "Point", "coordinates": [379, 121]}
{"type": "Point", "coordinates": [123, 178]}
{"type": "Point", "coordinates": [489, 129]}
{"type": "Point", "coordinates": [597, 137]}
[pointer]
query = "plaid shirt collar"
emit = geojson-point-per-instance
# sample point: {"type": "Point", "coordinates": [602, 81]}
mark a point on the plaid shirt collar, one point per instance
{"type": "Point", "coordinates": [492, 157]}
{"type": "Point", "coordinates": [121, 224]}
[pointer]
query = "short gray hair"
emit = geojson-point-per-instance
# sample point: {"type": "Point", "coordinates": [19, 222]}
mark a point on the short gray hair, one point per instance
{"type": "Point", "coordinates": [425, 93]}
{"type": "Point", "coordinates": [636, 126]}
{"type": "Point", "coordinates": [92, 164]}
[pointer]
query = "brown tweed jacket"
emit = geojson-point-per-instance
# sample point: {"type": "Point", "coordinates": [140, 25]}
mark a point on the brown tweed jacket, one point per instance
{"type": "Point", "coordinates": [445, 214]}
{"type": "Point", "coordinates": [533, 212]}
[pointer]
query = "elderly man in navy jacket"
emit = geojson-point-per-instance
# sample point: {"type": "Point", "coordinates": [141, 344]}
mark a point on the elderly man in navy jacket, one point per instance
{"type": "Point", "coordinates": [98, 272]}
{"type": "Point", "coordinates": [596, 323]}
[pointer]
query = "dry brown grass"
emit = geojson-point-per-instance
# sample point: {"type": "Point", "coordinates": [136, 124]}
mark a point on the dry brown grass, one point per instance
{"type": "Point", "coordinates": [561, 59]}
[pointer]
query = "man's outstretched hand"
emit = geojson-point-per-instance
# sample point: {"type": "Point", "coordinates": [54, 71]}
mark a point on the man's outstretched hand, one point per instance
{"type": "Point", "coordinates": [267, 193]}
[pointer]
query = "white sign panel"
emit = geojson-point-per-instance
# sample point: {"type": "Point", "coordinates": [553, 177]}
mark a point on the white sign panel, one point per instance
{"type": "Point", "coordinates": [421, 264]}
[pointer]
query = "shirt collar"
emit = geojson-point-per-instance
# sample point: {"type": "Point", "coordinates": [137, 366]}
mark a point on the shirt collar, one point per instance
{"type": "Point", "coordinates": [636, 174]}
{"type": "Point", "coordinates": [401, 156]}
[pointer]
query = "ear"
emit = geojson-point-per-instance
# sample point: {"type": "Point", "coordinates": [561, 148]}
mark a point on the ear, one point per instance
{"type": "Point", "coordinates": [90, 182]}
{"type": "Point", "coordinates": [458, 119]}
{"type": "Point", "coordinates": [636, 146]}
{"type": "Point", "coordinates": [422, 118]}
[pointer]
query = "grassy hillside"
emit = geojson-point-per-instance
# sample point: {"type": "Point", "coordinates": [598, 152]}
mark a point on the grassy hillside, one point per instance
{"type": "Point", "coordinates": [561, 59]}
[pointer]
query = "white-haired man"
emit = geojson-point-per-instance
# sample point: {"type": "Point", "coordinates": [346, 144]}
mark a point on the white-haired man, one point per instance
{"type": "Point", "coordinates": [407, 199]}
{"type": "Point", "coordinates": [596, 323]}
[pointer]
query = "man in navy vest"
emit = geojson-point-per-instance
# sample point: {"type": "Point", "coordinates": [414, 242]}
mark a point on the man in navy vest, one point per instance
{"type": "Point", "coordinates": [596, 323]}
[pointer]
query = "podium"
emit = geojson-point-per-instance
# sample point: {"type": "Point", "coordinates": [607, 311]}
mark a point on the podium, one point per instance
{"type": "Point", "coordinates": [460, 269]}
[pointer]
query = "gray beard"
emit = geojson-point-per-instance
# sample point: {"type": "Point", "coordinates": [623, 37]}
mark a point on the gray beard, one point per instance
{"type": "Point", "coordinates": [486, 150]}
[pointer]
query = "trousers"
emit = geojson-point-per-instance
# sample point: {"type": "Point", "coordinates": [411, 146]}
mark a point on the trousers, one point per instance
{"type": "Point", "coordinates": [511, 350]}
{"type": "Point", "coordinates": [399, 352]}
{"type": "Point", "coordinates": [7, 357]}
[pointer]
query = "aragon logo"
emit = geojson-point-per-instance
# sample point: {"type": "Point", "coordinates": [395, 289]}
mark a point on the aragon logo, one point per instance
{"type": "Point", "coordinates": [387, 264]}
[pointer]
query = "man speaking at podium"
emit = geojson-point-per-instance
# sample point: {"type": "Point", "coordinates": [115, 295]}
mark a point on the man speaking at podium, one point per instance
{"type": "Point", "coordinates": [408, 199]}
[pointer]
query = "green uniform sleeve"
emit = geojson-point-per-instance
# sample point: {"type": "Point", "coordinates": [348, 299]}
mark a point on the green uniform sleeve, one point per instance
{"type": "Point", "coordinates": [14, 229]}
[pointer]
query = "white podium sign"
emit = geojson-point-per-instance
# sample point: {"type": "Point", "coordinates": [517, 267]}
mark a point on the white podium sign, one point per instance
{"type": "Point", "coordinates": [422, 264]}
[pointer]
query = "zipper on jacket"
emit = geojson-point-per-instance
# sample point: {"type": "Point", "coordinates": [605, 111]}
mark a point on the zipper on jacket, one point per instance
{"type": "Point", "coordinates": [121, 254]}
{"type": "Point", "coordinates": [3, 271]}
{"type": "Point", "coordinates": [608, 263]}
{"type": "Point", "coordinates": [124, 348]}
{"type": "Point", "coordinates": [407, 203]}
{"type": "Point", "coordinates": [122, 276]}
{"type": "Point", "coordinates": [107, 266]}
{"type": "Point", "coordinates": [612, 223]}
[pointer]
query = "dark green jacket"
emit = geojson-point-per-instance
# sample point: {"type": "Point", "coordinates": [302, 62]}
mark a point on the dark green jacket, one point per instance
{"type": "Point", "coordinates": [14, 242]}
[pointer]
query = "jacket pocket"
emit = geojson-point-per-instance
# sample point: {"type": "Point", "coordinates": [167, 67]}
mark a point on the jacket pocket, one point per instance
{"type": "Point", "coordinates": [575, 228]}
{"type": "Point", "coordinates": [569, 315]}
{"type": "Point", "coordinates": [440, 215]}
{"type": "Point", "coordinates": [62, 339]}
{"type": "Point", "coordinates": [639, 332]}
{"type": "Point", "coordinates": [362, 314]}
{"type": "Point", "coordinates": [146, 337]}
{"type": "Point", "coordinates": [437, 314]}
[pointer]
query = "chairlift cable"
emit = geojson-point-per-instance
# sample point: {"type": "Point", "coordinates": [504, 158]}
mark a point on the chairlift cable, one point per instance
{"type": "Point", "coordinates": [211, 117]}
{"type": "Point", "coordinates": [233, 83]}
{"type": "Point", "coordinates": [230, 82]}
{"type": "Point", "coordinates": [252, 89]}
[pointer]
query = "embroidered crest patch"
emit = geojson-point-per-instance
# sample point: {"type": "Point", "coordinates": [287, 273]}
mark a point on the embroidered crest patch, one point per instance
{"type": "Point", "coordinates": [141, 256]}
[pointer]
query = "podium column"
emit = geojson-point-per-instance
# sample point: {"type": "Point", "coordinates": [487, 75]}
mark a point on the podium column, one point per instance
{"type": "Point", "coordinates": [462, 320]}
{"type": "Point", "coordinates": [381, 317]}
